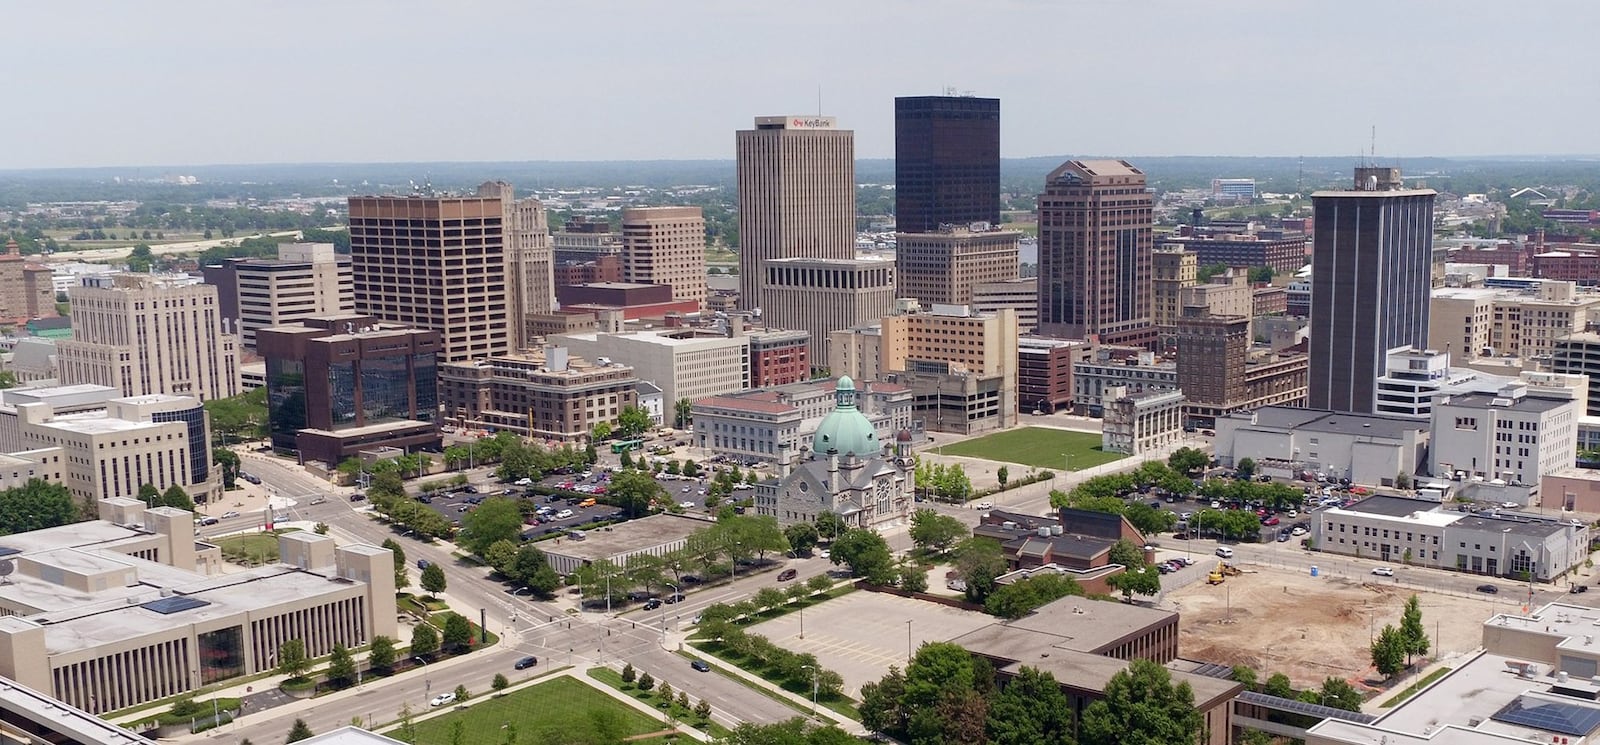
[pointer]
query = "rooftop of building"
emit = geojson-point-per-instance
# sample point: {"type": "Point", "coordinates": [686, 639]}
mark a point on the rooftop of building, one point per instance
{"type": "Point", "coordinates": [659, 337]}
{"type": "Point", "coordinates": [59, 396]}
{"type": "Point", "coordinates": [59, 721]}
{"type": "Point", "coordinates": [1486, 700]}
{"type": "Point", "coordinates": [1514, 524]}
{"type": "Point", "coordinates": [623, 538]}
{"type": "Point", "coordinates": [1419, 510]}
{"type": "Point", "coordinates": [1493, 400]}
{"type": "Point", "coordinates": [348, 735]}
{"type": "Point", "coordinates": [1331, 422]}
{"type": "Point", "coordinates": [1372, 194]}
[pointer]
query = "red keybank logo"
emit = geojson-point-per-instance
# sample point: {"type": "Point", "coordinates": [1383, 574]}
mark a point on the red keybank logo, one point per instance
{"type": "Point", "coordinates": [799, 123]}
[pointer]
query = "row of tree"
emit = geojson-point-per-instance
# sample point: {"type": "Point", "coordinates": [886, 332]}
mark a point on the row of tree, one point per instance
{"type": "Point", "coordinates": [946, 695]}
{"type": "Point", "coordinates": [942, 481]}
{"type": "Point", "coordinates": [708, 552]}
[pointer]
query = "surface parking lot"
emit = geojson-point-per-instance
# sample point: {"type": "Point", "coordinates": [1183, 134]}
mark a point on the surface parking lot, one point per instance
{"type": "Point", "coordinates": [859, 635]}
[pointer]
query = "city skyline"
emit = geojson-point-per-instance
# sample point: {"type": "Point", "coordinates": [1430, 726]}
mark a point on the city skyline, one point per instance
{"type": "Point", "coordinates": [167, 88]}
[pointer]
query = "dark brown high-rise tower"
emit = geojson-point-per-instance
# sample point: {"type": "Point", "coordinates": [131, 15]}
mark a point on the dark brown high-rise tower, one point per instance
{"type": "Point", "coordinates": [1094, 253]}
{"type": "Point", "coordinates": [946, 162]}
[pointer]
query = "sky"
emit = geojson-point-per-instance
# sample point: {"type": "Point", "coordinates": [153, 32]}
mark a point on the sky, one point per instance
{"type": "Point", "coordinates": [172, 82]}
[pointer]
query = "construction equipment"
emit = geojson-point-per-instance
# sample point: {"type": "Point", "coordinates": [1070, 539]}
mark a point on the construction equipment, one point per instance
{"type": "Point", "coordinates": [1228, 569]}
{"type": "Point", "coordinates": [1215, 577]}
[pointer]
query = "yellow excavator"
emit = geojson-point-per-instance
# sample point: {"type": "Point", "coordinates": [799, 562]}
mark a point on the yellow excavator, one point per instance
{"type": "Point", "coordinates": [1223, 570]}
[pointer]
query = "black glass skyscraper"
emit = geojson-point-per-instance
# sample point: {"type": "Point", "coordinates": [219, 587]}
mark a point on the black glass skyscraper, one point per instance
{"type": "Point", "coordinates": [946, 161]}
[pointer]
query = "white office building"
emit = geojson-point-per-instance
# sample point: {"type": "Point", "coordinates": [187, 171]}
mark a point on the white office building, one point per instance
{"type": "Point", "coordinates": [1507, 436]}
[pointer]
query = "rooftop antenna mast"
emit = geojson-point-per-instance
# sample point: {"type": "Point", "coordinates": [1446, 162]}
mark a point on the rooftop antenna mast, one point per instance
{"type": "Point", "coordinates": [819, 100]}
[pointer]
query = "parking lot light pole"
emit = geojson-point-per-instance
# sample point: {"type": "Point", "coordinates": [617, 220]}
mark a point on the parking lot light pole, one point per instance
{"type": "Point", "coordinates": [663, 613]}
{"type": "Point", "coordinates": [813, 670]}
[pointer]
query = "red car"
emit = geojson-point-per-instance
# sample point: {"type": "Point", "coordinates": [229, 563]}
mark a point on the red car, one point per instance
{"type": "Point", "coordinates": [1270, 521]}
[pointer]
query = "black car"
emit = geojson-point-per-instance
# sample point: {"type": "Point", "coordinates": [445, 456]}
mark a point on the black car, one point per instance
{"type": "Point", "coordinates": [470, 489]}
{"type": "Point", "coordinates": [700, 665]}
{"type": "Point", "coordinates": [1579, 588]}
{"type": "Point", "coordinates": [526, 663]}
{"type": "Point", "coordinates": [676, 597]}
{"type": "Point", "coordinates": [787, 574]}
{"type": "Point", "coordinates": [652, 604]}
{"type": "Point", "coordinates": [425, 499]}
{"type": "Point", "coordinates": [1489, 589]}
{"type": "Point", "coordinates": [358, 497]}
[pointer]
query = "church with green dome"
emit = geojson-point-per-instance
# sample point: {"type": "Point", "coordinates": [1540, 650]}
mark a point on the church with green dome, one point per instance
{"type": "Point", "coordinates": [847, 471]}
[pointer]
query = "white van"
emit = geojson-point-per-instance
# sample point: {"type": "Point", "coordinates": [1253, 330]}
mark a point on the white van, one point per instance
{"type": "Point", "coordinates": [1225, 552]}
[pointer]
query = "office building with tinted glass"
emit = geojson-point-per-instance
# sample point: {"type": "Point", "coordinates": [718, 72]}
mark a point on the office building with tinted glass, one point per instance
{"type": "Point", "coordinates": [337, 385]}
{"type": "Point", "coordinates": [1370, 282]}
{"type": "Point", "coordinates": [946, 162]}
{"type": "Point", "coordinates": [1095, 246]}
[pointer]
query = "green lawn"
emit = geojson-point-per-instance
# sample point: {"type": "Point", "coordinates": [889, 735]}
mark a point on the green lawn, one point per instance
{"type": "Point", "coordinates": [252, 547]}
{"type": "Point", "coordinates": [549, 711]}
{"type": "Point", "coordinates": [1040, 447]}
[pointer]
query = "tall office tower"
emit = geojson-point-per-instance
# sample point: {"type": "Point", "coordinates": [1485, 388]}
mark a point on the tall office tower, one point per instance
{"type": "Point", "coordinates": [1094, 253]}
{"type": "Point", "coordinates": [946, 162]}
{"type": "Point", "coordinates": [666, 246]}
{"type": "Point", "coordinates": [148, 335]}
{"type": "Point", "coordinates": [1171, 270]}
{"type": "Point", "coordinates": [307, 279]}
{"type": "Point", "coordinates": [797, 195]}
{"type": "Point", "coordinates": [530, 263]}
{"type": "Point", "coordinates": [1370, 279]}
{"type": "Point", "coordinates": [436, 263]}
{"type": "Point", "coordinates": [820, 296]}
{"type": "Point", "coordinates": [943, 266]}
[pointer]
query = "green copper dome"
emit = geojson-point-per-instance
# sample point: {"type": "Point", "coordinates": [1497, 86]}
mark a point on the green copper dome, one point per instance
{"type": "Point", "coordinates": [846, 430]}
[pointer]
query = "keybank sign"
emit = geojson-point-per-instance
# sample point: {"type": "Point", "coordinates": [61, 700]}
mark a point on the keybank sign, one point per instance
{"type": "Point", "coordinates": [815, 122]}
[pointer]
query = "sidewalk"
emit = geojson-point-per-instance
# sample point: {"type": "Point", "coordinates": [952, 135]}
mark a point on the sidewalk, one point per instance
{"type": "Point", "coordinates": [679, 640]}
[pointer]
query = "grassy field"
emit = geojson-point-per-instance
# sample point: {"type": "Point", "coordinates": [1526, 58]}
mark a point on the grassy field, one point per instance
{"type": "Point", "coordinates": [554, 709]}
{"type": "Point", "coordinates": [1051, 449]}
{"type": "Point", "coordinates": [254, 547]}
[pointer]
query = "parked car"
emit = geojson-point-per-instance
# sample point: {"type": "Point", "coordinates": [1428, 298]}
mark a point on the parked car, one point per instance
{"type": "Point", "coordinates": [787, 574]}
{"type": "Point", "coordinates": [1383, 571]}
{"type": "Point", "coordinates": [358, 497]}
{"type": "Point", "coordinates": [526, 663]}
{"type": "Point", "coordinates": [686, 505]}
{"type": "Point", "coordinates": [700, 666]}
{"type": "Point", "coordinates": [443, 699]}
{"type": "Point", "coordinates": [1488, 589]}
{"type": "Point", "coordinates": [423, 563]}
{"type": "Point", "coordinates": [984, 505]}
{"type": "Point", "coordinates": [1270, 520]}
{"type": "Point", "coordinates": [564, 514]}
{"type": "Point", "coordinates": [1579, 588]}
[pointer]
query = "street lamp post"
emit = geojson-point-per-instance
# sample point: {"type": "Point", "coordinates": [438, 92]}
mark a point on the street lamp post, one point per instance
{"type": "Point", "coordinates": [813, 670]}
{"type": "Point", "coordinates": [909, 650]}
{"type": "Point", "coordinates": [663, 614]}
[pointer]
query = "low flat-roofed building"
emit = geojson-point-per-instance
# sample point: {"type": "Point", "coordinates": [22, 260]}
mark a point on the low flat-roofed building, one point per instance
{"type": "Point", "coordinates": [113, 613]}
{"type": "Point", "coordinates": [1423, 533]}
{"type": "Point", "coordinates": [1365, 448]}
{"type": "Point", "coordinates": [655, 535]}
{"type": "Point", "coordinates": [547, 393]}
{"type": "Point", "coordinates": [1083, 643]}
{"type": "Point", "coordinates": [1572, 489]}
{"type": "Point", "coordinates": [767, 425]}
{"type": "Point", "coordinates": [1533, 682]}
{"type": "Point", "coordinates": [28, 716]}
{"type": "Point", "coordinates": [1137, 423]}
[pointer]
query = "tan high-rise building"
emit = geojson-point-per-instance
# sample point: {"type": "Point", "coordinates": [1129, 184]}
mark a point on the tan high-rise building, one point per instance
{"type": "Point", "coordinates": [547, 394]}
{"type": "Point", "coordinates": [530, 262]}
{"type": "Point", "coordinates": [146, 335]}
{"type": "Point", "coordinates": [26, 291]}
{"type": "Point", "coordinates": [946, 265]}
{"type": "Point", "coordinates": [1474, 322]}
{"type": "Point", "coordinates": [820, 296]}
{"type": "Point", "coordinates": [307, 279]}
{"type": "Point", "coordinates": [436, 263]}
{"type": "Point", "coordinates": [666, 246]}
{"type": "Point", "coordinates": [1020, 295]}
{"type": "Point", "coordinates": [1171, 270]}
{"type": "Point", "coordinates": [1227, 294]}
{"type": "Point", "coordinates": [797, 195]}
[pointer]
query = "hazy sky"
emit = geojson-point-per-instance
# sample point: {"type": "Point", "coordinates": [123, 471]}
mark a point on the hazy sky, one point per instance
{"type": "Point", "coordinates": [166, 83]}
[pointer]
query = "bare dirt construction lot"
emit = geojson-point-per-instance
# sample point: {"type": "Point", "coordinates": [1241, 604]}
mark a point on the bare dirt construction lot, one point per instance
{"type": "Point", "coordinates": [1309, 628]}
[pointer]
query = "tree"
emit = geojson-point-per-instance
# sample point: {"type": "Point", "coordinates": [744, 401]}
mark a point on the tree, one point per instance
{"type": "Point", "coordinates": [768, 598]}
{"type": "Point", "coordinates": [633, 421]}
{"type": "Point", "coordinates": [457, 632]}
{"type": "Point", "coordinates": [1124, 552]}
{"type": "Point", "coordinates": [382, 655]}
{"type": "Point", "coordinates": [402, 579]}
{"type": "Point", "coordinates": [931, 531]}
{"type": "Point", "coordinates": [424, 640]}
{"type": "Point", "coordinates": [341, 667]}
{"type": "Point", "coordinates": [1019, 598]}
{"type": "Point", "coordinates": [1402, 480]}
{"type": "Point", "coordinates": [936, 669]}
{"type": "Point", "coordinates": [141, 260]}
{"type": "Point", "coordinates": [292, 659]}
{"type": "Point", "coordinates": [1245, 675]}
{"type": "Point", "coordinates": [1389, 651]}
{"type": "Point", "coordinates": [1141, 707]}
{"type": "Point", "coordinates": [634, 492]}
{"type": "Point", "coordinates": [646, 682]}
{"type": "Point", "coordinates": [628, 673]}
{"type": "Point", "coordinates": [1246, 468]}
{"type": "Point", "coordinates": [150, 495]}
{"type": "Point", "coordinates": [702, 710]}
{"type": "Point", "coordinates": [829, 525]}
{"type": "Point", "coordinates": [1187, 460]}
{"type": "Point", "coordinates": [531, 570]}
{"type": "Point", "coordinates": [497, 519]}
{"type": "Point", "coordinates": [228, 461]}
{"type": "Point", "coordinates": [36, 505]}
{"type": "Point", "coordinates": [461, 693]}
{"type": "Point", "coordinates": [1278, 685]}
{"type": "Point", "coordinates": [601, 432]}
{"type": "Point", "coordinates": [298, 731]}
{"type": "Point", "coordinates": [1146, 581]}
{"type": "Point", "coordinates": [913, 578]}
{"type": "Point", "coordinates": [1004, 474]}
{"type": "Point", "coordinates": [433, 579]}
{"type": "Point", "coordinates": [881, 709]}
{"type": "Point", "coordinates": [802, 537]}
{"type": "Point", "coordinates": [1412, 632]}
{"type": "Point", "coordinates": [683, 413]}
{"type": "Point", "coordinates": [665, 692]}
{"type": "Point", "coordinates": [1030, 710]}
{"type": "Point", "coordinates": [978, 562]}
{"type": "Point", "coordinates": [176, 497]}
{"type": "Point", "coordinates": [500, 555]}
{"type": "Point", "coordinates": [1338, 693]}
{"type": "Point", "coordinates": [866, 554]}
{"type": "Point", "coordinates": [1149, 520]}
{"type": "Point", "coordinates": [819, 583]}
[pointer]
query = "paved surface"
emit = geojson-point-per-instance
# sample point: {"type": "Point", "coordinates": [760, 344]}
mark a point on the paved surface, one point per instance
{"type": "Point", "coordinates": [861, 634]}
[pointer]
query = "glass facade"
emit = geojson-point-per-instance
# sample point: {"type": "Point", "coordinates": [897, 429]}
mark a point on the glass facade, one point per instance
{"type": "Point", "coordinates": [342, 393]}
{"type": "Point", "coordinates": [286, 399]}
{"type": "Point", "coordinates": [425, 371]}
{"type": "Point", "coordinates": [199, 454]}
{"type": "Point", "coordinates": [221, 654]}
{"type": "Point", "coordinates": [385, 390]}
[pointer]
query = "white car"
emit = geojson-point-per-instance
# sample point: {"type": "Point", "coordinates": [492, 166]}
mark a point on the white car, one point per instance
{"type": "Point", "coordinates": [1298, 531]}
{"type": "Point", "coordinates": [442, 699]}
{"type": "Point", "coordinates": [523, 482]}
{"type": "Point", "coordinates": [1383, 571]}
{"type": "Point", "coordinates": [564, 514]}
{"type": "Point", "coordinates": [686, 505]}
{"type": "Point", "coordinates": [229, 514]}
{"type": "Point", "coordinates": [984, 505]}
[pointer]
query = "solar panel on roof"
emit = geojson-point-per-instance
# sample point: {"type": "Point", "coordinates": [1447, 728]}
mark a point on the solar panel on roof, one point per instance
{"type": "Point", "coordinates": [1300, 707]}
{"type": "Point", "coordinates": [174, 604]}
{"type": "Point", "coordinates": [1551, 716]}
{"type": "Point", "coordinates": [7, 550]}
